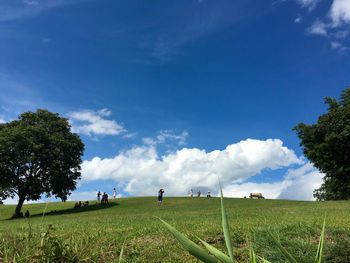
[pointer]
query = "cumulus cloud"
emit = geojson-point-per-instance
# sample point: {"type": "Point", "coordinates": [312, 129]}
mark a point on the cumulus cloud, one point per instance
{"type": "Point", "coordinates": [340, 12]}
{"type": "Point", "coordinates": [142, 170]}
{"type": "Point", "coordinates": [297, 184]}
{"type": "Point", "coordinates": [167, 135]}
{"type": "Point", "coordinates": [318, 28]}
{"type": "Point", "coordinates": [2, 120]}
{"type": "Point", "coordinates": [91, 122]}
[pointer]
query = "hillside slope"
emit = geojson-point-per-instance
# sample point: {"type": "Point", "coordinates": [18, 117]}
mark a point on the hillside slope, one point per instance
{"type": "Point", "coordinates": [96, 233]}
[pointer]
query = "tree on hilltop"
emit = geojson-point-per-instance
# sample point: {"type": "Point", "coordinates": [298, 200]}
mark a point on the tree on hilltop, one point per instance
{"type": "Point", "coordinates": [38, 154]}
{"type": "Point", "coordinates": [327, 145]}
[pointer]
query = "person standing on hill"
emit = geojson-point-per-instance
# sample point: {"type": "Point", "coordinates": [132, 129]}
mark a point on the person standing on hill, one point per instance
{"type": "Point", "coordinates": [199, 193]}
{"type": "Point", "coordinates": [115, 193]}
{"type": "Point", "coordinates": [191, 193]}
{"type": "Point", "coordinates": [160, 196]}
{"type": "Point", "coordinates": [106, 199]}
{"type": "Point", "coordinates": [98, 196]}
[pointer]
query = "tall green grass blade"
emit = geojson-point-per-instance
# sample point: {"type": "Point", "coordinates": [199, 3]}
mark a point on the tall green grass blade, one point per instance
{"type": "Point", "coordinates": [251, 253]}
{"type": "Point", "coordinates": [283, 250]}
{"type": "Point", "coordinates": [263, 260]}
{"type": "Point", "coordinates": [318, 258]}
{"type": "Point", "coordinates": [226, 228]}
{"type": "Point", "coordinates": [121, 253]}
{"type": "Point", "coordinates": [217, 253]}
{"type": "Point", "coordinates": [189, 245]}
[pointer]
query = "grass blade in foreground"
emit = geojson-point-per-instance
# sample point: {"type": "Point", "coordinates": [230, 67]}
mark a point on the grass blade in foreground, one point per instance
{"type": "Point", "coordinates": [263, 260]}
{"type": "Point", "coordinates": [217, 253]}
{"type": "Point", "coordinates": [251, 253]}
{"type": "Point", "coordinates": [318, 258]}
{"type": "Point", "coordinates": [283, 250]}
{"type": "Point", "coordinates": [121, 254]}
{"type": "Point", "coordinates": [189, 245]}
{"type": "Point", "coordinates": [226, 228]}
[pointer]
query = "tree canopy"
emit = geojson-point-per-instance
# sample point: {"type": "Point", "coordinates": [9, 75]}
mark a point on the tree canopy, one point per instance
{"type": "Point", "coordinates": [327, 145]}
{"type": "Point", "coordinates": [38, 154]}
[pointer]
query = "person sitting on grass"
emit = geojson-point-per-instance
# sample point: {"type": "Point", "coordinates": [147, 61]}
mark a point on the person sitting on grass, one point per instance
{"type": "Point", "coordinates": [160, 196]}
{"type": "Point", "coordinates": [27, 214]}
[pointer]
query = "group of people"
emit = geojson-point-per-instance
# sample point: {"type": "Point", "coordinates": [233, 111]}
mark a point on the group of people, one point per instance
{"type": "Point", "coordinates": [105, 196]}
{"type": "Point", "coordinates": [80, 204]}
{"type": "Point", "coordinates": [199, 193]}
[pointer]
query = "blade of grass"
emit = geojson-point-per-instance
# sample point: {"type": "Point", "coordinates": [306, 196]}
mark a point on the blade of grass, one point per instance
{"type": "Point", "coordinates": [189, 245]}
{"type": "Point", "coordinates": [263, 260]}
{"type": "Point", "coordinates": [318, 258]}
{"type": "Point", "coordinates": [217, 253]}
{"type": "Point", "coordinates": [121, 253]}
{"type": "Point", "coordinates": [226, 228]}
{"type": "Point", "coordinates": [283, 250]}
{"type": "Point", "coordinates": [251, 253]}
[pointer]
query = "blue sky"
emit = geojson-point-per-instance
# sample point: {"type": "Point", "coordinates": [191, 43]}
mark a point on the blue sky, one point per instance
{"type": "Point", "coordinates": [173, 94]}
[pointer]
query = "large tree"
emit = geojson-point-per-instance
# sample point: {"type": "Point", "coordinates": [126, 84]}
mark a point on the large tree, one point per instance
{"type": "Point", "coordinates": [38, 154]}
{"type": "Point", "coordinates": [327, 145]}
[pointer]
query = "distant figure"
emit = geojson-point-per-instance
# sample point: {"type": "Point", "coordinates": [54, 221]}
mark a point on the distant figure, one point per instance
{"type": "Point", "coordinates": [79, 204]}
{"type": "Point", "coordinates": [86, 203]}
{"type": "Point", "coordinates": [76, 205]}
{"type": "Point", "coordinates": [98, 196]}
{"type": "Point", "coordinates": [106, 199]}
{"type": "Point", "coordinates": [199, 193]}
{"type": "Point", "coordinates": [115, 193]}
{"type": "Point", "coordinates": [160, 196]}
{"type": "Point", "coordinates": [208, 194]}
{"type": "Point", "coordinates": [27, 214]}
{"type": "Point", "coordinates": [191, 193]}
{"type": "Point", "coordinates": [103, 198]}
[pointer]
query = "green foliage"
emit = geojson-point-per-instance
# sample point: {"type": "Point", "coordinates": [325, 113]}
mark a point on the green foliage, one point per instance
{"type": "Point", "coordinates": [327, 145]}
{"type": "Point", "coordinates": [38, 154]}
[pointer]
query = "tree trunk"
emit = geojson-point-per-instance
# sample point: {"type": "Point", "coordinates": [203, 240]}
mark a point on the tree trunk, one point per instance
{"type": "Point", "coordinates": [18, 213]}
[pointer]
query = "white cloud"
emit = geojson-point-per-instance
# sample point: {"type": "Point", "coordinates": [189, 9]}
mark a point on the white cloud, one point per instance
{"type": "Point", "coordinates": [167, 135]}
{"type": "Point", "coordinates": [130, 135]}
{"type": "Point", "coordinates": [298, 184]}
{"type": "Point", "coordinates": [28, 2]}
{"type": "Point", "coordinates": [335, 45]}
{"type": "Point", "coordinates": [340, 12]}
{"type": "Point", "coordinates": [318, 28]}
{"type": "Point", "coordinates": [309, 4]}
{"type": "Point", "coordinates": [142, 170]}
{"type": "Point", "coordinates": [90, 122]}
{"type": "Point", "coordinates": [2, 120]}
{"type": "Point", "coordinates": [297, 19]}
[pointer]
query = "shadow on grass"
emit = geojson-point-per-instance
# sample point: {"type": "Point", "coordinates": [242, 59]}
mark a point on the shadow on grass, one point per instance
{"type": "Point", "coordinates": [90, 207]}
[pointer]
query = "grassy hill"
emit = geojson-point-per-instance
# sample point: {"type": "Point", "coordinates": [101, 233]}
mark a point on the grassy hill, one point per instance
{"type": "Point", "coordinates": [96, 233]}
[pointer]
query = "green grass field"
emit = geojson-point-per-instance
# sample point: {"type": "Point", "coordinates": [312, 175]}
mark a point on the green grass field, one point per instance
{"type": "Point", "coordinates": [96, 233]}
